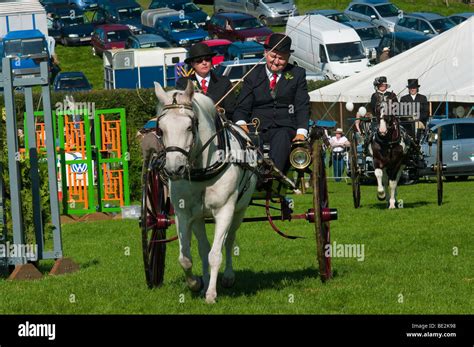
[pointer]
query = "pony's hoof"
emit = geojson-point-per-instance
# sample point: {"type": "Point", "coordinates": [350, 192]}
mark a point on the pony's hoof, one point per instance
{"type": "Point", "coordinates": [228, 282]}
{"type": "Point", "coordinates": [196, 284]}
{"type": "Point", "coordinates": [211, 298]}
{"type": "Point", "coordinates": [381, 196]}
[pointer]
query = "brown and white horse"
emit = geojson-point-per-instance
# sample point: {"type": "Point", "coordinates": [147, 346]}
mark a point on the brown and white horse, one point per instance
{"type": "Point", "coordinates": [388, 150]}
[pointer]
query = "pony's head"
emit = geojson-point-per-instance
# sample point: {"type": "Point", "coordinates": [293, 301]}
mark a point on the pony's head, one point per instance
{"type": "Point", "coordinates": [177, 126]}
{"type": "Point", "coordinates": [383, 119]}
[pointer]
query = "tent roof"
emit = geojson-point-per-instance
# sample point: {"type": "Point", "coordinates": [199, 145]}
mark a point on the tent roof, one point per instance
{"type": "Point", "coordinates": [443, 65]}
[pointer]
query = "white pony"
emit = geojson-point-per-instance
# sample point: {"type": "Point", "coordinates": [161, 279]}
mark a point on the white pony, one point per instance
{"type": "Point", "coordinates": [186, 121]}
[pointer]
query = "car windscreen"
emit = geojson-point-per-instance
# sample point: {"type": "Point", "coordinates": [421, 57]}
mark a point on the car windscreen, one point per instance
{"type": "Point", "coordinates": [442, 24]}
{"type": "Point", "coordinates": [247, 23]}
{"type": "Point", "coordinates": [73, 83]}
{"type": "Point", "coordinates": [25, 47]}
{"type": "Point", "coordinates": [117, 36]}
{"type": "Point", "coordinates": [182, 25]}
{"type": "Point", "coordinates": [345, 51]}
{"type": "Point", "coordinates": [339, 17]}
{"type": "Point", "coordinates": [388, 10]}
{"type": "Point", "coordinates": [129, 13]}
{"type": "Point", "coordinates": [366, 34]}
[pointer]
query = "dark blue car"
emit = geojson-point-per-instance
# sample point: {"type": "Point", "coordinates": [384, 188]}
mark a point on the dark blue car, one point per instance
{"type": "Point", "coordinates": [180, 31]}
{"type": "Point", "coordinates": [399, 42]}
{"type": "Point", "coordinates": [71, 82]}
{"type": "Point", "coordinates": [186, 6]}
{"type": "Point", "coordinates": [120, 12]}
{"type": "Point", "coordinates": [69, 26]}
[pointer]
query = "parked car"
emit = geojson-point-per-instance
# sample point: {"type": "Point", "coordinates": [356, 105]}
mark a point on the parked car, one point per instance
{"type": "Point", "coordinates": [335, 15]}
{"type": "Point", "coordinates": [189, 9]}
{"type": "Point", "coordinates": [69, 26]}
{"type": "Point", "coordinates": [270, 12]}
{"type": "Point", "coordinates": [370, 37]}
{"type": "Point", "coordinates": [245, 50]}
{"type": "Point", "coordinates": [430, 24]}
{"type": "Point", "coordinates": [458, 18]}
{"type": "Point", "coordinates": [325, 46]}
{"type": "Point", "coordinates": [109, 36]}
{"type": "Point", "coordinates": [399, 42]}
{"type": "Point", "coordinates": [120, 12]}
{"type": "Point", "coordinates": [458, 147]}
{"type": "Point", "coordinates": [381, 13]}
{"type": "Point", "coordinates": [146, 41]}
{"type": "Point", "coordinates": [237, 27]}
{"type": "Point", "coordinates": [179, 30]}
{"type": "Point", "coordinates": [71, 82]}
{"type": "Point", "coordinates": [220, 48]}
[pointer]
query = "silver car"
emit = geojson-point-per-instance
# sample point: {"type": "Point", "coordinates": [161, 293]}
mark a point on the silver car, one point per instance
{"type": "Point", "coordinates": [458, 147]}
{"type": "Point", "coordinates": [370, 37]}
{"type": "Point", "coordinates": [429, 24]}
{"type": "Point", "coordinates": [380, 13]}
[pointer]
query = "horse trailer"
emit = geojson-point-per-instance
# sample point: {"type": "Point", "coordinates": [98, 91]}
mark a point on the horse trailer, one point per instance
{"type": "Point", "coordinates": [139, 68]}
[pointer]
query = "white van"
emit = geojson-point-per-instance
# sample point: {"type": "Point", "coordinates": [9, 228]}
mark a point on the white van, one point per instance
{"type": "Point", "coordinates": [323, 45]}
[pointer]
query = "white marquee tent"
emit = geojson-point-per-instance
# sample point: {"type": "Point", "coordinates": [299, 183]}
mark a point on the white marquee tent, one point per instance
{"type": "Point", "coordinates": [444, 66]}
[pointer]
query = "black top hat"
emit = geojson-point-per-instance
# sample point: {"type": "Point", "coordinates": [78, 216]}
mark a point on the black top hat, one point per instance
{"type": "Point", "coordinates": [413, 83]}
{"type": "Point", "coordinates": [380, 80]}
{"type": "Point", "coordinates": [273, 40]}
{"type": "Point", "coordinates": [199, 50]}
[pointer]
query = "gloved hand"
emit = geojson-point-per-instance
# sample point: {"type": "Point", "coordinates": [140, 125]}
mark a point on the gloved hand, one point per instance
{"type": "Point", "coordinates": [298, 137]}
{"type": "Point", "coordinates": [245, 128]}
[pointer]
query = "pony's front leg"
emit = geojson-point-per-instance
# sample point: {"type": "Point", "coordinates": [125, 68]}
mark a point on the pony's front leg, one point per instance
{"type": "Point", "coordinates": [199, 228]}
{"type": "Point", "coordinates": [223, 218]}
{"type": "Point", "coordinates": [380, 187]}
{"type": "Point", "coordinates": [184, 232]}
{"type": "Point", "coordinates": [393, 190]}
{"type": "Point", "coordinates": [228, 279]}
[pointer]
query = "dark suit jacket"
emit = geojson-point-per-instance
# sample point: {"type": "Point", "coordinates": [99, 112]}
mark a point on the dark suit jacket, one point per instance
{"type": "Point", "coordinates": [423, 104]}
{"type": "Point", "coordinates": [289, 106]}
{"type": "Point", "coordinates": [218, 87]}
{"type": "Point", "coordinates": [378, 97]}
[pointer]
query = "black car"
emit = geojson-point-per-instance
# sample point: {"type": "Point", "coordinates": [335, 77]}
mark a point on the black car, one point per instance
{"type": "Point", "coordinates": [69, 25]}
{"type": "Point", "coordinates": [399, 42]}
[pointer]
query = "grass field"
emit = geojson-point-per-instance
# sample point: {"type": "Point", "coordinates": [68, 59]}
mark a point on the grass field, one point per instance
{"type": "Point", "coordinates": [418, 259]}
{"type": "Point", "coordinates": [81, 59]}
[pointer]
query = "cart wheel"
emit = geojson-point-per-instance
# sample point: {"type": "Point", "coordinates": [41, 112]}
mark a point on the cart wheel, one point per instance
{"type": "Point", "coordinates": [153, 205]}
{"type": "Point", "coordinates": [355, 171]}
{"type": "Point", "coordinates": [439, 166]}
{"type": "Point", "coordinates": [320, 202]}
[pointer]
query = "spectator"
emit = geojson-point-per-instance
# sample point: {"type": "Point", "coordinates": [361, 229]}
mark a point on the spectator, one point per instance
{"type": "Point", "coordinates": [339, 144]}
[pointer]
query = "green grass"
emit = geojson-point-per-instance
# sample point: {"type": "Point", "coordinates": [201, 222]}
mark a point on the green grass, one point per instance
{"type": "Point", "coordinates": [408, 251]}
{"type": "Point", "coordinates": [81, 59]}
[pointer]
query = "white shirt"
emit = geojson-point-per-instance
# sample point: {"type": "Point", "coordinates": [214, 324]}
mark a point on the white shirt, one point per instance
{"type": "Point", "coordinates": [413, 96]}
{"type": "Point", "coordinates": [335, 143]}
{"type": "Point", "coordinates": [301, 131]}
{"type": "Point", "coordinates": [207, 78]}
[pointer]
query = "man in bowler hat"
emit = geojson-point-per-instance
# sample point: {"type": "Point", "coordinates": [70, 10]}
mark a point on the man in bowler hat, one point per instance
{"type": "Point", "coordinates": [276, 94]}
{"type": "Point", "coordinates": [210, 84]}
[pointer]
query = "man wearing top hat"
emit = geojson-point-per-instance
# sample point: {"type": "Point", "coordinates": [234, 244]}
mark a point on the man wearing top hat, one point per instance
{"type": "Point", "coordinates": [418, 102]}
{"type": "Point", "coordinates": [210, 84]}
{"type": "Point", "coordinates": [276, 94]}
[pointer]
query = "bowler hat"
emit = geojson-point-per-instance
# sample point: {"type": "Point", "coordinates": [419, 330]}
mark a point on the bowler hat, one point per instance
{"type": "Point", "coordinates": [380, 80]}
{"type": "Point", "coordinates": [413, 83]}
{"type": "Point", "coordinates": [278, 42]}
{"type": "Point", "coordinates": [199, 50]}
